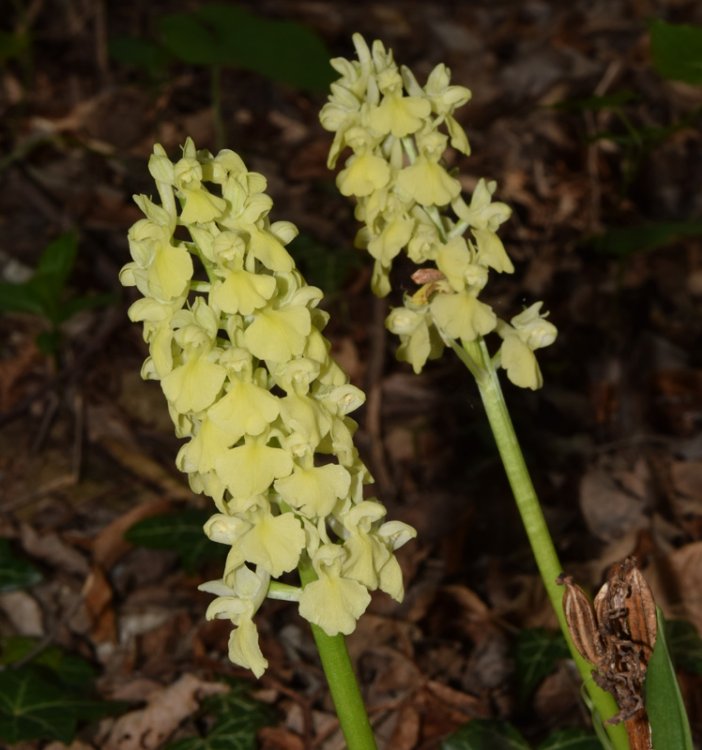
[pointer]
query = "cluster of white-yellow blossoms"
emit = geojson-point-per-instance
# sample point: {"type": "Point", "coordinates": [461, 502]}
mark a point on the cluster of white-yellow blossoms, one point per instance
{"type": "Point", "coordinates": [407, 200]}
{"type": "Point", "coordinates": [234, 335]}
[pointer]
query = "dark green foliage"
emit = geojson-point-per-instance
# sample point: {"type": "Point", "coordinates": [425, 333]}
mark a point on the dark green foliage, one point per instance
{"type": "Point", "coordinates": [666, 712]}
{"type": "Point", "coordinates": [218, 35]}
{"type": "Point", "coordinates": [485, 734]}
{"type": "Point", "coordinates": [325, 267]}
{"type": "Point", "coordinates": [46, 295]}
{"type": "Point", "coordinates": [620, 242]}
{"type": "Point", "coordinates": [536, 653]}
{"type": "Point", "coordinates": [179, 532]}
{"type": "Point", "coordinates": [677, 51]}
{"type": "Point", "coordinates": [685, 645]}
{"type": "Point", "coordinates": [571, 739]}
{"type": "Point", "coordinates": [15, 572]}
{"type": "Point", "coordinates": [48, 697]}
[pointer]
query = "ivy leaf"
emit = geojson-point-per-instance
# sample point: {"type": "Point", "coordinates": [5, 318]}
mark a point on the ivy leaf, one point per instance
{"type": "Point", "coordinates": [238, 717]}
{"type": "Point", "coordinates": [15, 572]}
{"type": "Point", "coordinates": [485, 734]}
{"type": "Point", "coordinates": [179, 532]}
{"type": "Point", "coordinates": [69, 669]}
{"type": "Point", "coordinates": [536, 652]}
{"type": "Point", "coordinates": [571, 739]}
{"type": "Point", "coordinates": [35, 706]}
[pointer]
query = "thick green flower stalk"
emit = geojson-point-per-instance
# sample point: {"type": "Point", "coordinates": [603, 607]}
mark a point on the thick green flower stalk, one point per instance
{"type": "Point", "coordinates": [408, 201]}
{"type": "Point", "coordinates": [235, 339]}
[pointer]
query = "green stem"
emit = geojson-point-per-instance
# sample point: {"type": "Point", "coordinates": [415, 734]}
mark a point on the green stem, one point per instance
{"type": "Point", "coordinates": [342, 681]}
{"type": "Point", "coordinates": [535, 525]}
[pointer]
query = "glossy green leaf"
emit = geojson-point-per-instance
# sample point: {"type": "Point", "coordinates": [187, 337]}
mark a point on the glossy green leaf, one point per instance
{"type": "Point", "coordinates": [485, 734]}
{"type": "Point", "coordinates": [571, 739]}
{"type": "Point", "coordinates": [536, 653]}
{"type": "Point", "coordinates": [15, 572]}
{"type": "Point", "coordinates": [34, 705]}
{"type": "Point", "coordinates": [666, 711]}
{"type": "Point", "coordinates": [237, 719]}
{"type": "Point", "coordinates": [677, 51]}
{"type": "Point", "coordinates": [685, 645]}
{"type": "Point", "coordinates": [179, 532]}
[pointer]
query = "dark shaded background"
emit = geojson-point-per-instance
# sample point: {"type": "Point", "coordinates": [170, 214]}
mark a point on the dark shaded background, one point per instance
{"type": "Point", "coordinates": [613, 439]}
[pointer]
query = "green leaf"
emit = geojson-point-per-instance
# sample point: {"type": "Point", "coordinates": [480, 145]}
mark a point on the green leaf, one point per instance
{"type": "Point", "coordinates": [140, 53]}
{"type": "Point", "coordinates": [33, 706]}
{"type": "Point", "coordinates": [323, 266]}
{"type": "Point", "coordinates": [20, 298]}
{"type": "Point", "coordinates": [598, 103]}
{"type": "Point", "coordinates": [72, 306]}
{"type": "Point", "coordinates": [666, 711]}
{"type": "Point", "coordinates": [42, 294]}
{"type": "Point", "coordinates": [229, 35]}
{"type": "Point", "coordinates": [15, 571]}
{"type": "Point", "coordinates": [69, 669]}
{"type": "Point", "coordinates": [485, 734]}
{"type": "Point", "coordinates": [624, 241]}
{"type": "Point", "coordinates": [536, 652]}
{"type": "Point", "coordinates": [685, 645]}
{"type": "Point", "coordinates": [677, 51]}
{"type": "Point", "coordinates": [58, 259]}
{"type": "Point", "coordinates": [13, 45]}
{"type": "Point", "coordinates": [179, 532]}
{"type": "Point", "coordinates": [237, 720]}
{"type": "Point", "coordinates": [571, 739]}
{"type": "Point", "coordinates": [190, 40]}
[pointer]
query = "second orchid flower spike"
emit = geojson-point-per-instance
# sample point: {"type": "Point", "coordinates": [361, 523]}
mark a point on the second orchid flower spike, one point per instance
{"type": "Point", "coordinates": [408, 201]}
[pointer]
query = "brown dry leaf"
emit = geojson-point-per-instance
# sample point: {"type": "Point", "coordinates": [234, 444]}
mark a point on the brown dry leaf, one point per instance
{"type": "Point", "coordinates": [14, 367]}
{"type": "Point", "coordinates": [445, 709]}
{"type": "Point", "coordinates": [609, 512]}
{"type": "Point", "coordinates": [97, 596]}
{"type": "Point", "coordinates": [407, 728]}
{"type": "Point", "coordinates": [23, 612]}
{"type": "Point", "coordinates": [51, 549]}
{"type": "Point", "coordinates": [109, 545]}
{"type": "Point", "coordinates": [687, 563]}
{"type": "Point", "coordinates": [150, 727]}
{"type": "Point", "coordinates": [558, 694]}
{"type": "Point", "coordinates": [686, 477]}
{"type": "Point", "coordinates": [279, 738]}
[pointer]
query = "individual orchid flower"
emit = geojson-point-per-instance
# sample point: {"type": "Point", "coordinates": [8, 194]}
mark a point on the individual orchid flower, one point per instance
{"type": "Point", "coordinates": [333, 601]}
{"type": "Point", "coordinates": [528, 331]}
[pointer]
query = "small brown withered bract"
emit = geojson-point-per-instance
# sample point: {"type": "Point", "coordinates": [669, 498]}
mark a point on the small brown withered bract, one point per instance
{"type": "Point", "coordinates": [617, 635]}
